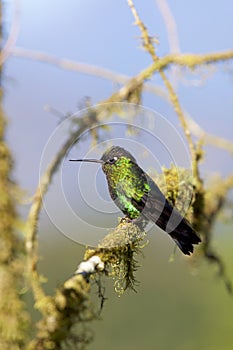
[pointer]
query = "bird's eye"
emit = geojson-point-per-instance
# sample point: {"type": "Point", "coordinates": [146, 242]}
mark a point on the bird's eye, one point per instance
{"type": "Point", "coordinates": [112, 160]}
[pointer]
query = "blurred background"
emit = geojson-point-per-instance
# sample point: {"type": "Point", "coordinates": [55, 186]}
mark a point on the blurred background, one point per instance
{"type": "Point", "coordinates": [178, 305]}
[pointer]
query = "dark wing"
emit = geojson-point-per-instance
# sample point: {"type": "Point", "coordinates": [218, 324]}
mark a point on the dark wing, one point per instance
{"type": "Point", "coordinates": [163, 214]}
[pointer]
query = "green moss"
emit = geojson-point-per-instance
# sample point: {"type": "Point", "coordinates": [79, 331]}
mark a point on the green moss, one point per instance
{"type": "Point", "coordinates": [177, 186]}
{"type": "Point", "coordinates": [14, 319]}
{"type": "Point", "coordinates": [117, 250]}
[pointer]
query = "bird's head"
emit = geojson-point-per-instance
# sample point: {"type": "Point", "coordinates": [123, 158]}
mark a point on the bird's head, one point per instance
{"type": "Point", "coordinates": [114, 159]}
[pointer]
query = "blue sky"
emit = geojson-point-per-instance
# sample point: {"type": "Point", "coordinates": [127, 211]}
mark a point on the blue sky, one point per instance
{"type": "Point", "coordinates": [102, 33]}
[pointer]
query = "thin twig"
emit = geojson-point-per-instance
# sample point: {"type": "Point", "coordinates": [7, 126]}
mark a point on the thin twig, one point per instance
{"type": "Point", "coordinates": [184, 60]}
{"type": "Point", "coordinates": [13, 35]}
{"type": "Point", "coordinates": [170, 24]}
{"type": "Point", "coordinates": [172, 34]}
{"type": "Point", "coordinates": [80, 67]}
{"type": "Point", "coordinates": [97, 71]}
{"type": "Point", "coordinates": [68, 64]}
{"type": "Point", "coordinates": [147, 40]}
{"type": "Point", "coordinates": [148, 45]}
{"type": "Point", "coordinates": [176, 104]}
{"type": "Point", "coordinates": [208, 139]}
{"type": "Point", "coordinates": [31, 240]}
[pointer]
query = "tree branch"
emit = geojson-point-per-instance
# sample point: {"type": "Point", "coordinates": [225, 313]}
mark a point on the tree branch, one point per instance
{"type": "Point", "coordinates": [71, 306]}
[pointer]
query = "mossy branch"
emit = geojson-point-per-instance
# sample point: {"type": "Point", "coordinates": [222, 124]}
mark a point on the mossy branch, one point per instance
{"type": "Point", "coordinates": [148, 45]}
{"type": "Point", "coordinates": [31, 226]}
{"type": "Point", "coordinates": [14, 319]}
{"type": "Point", "coordinates": [71, 307]}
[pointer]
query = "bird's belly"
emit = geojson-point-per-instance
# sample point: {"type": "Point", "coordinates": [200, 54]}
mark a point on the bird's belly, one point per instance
{"type": "Point", "coordinates": [125, 205]}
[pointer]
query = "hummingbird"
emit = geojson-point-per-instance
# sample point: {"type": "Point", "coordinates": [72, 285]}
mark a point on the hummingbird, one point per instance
{"type": "Point", "coordinates": [139, 198]}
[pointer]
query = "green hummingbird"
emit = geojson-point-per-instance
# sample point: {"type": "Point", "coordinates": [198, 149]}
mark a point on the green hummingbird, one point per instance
{"type": "Point", "coordinates": [139, 198]}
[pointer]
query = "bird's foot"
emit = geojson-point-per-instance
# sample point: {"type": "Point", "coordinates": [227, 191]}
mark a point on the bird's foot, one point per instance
{"type": "Point", "coordinates": [126, 219]}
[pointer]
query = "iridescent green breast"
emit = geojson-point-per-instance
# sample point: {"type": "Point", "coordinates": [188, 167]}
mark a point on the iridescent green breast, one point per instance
{"type": "Point", "coordinates": [127, 185]}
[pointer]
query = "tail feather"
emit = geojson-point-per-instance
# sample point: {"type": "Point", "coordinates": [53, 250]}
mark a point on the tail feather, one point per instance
{"type": "Point", "coordinates": [185, 237]}
{"type": "Point", "coordinates": [157, 208]}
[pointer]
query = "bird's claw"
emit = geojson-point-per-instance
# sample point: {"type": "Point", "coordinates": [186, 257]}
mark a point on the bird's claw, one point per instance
{"type": "Point", "coordinates": [125, 219]}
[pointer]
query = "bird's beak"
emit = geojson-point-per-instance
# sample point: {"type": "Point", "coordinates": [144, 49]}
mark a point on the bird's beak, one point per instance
{"type": "Point", "coordinates": [87, 160]}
